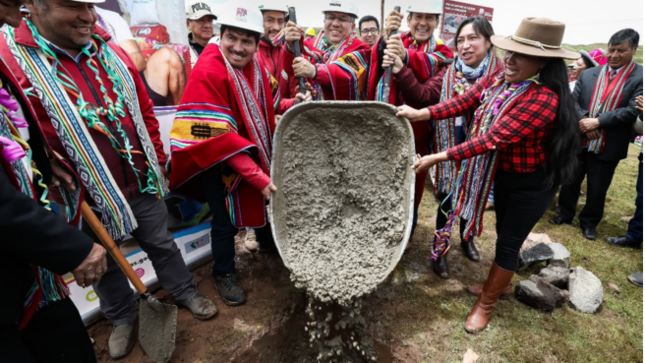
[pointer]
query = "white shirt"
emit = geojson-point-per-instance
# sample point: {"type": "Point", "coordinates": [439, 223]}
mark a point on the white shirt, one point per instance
{"type": "Point", "coordinates": [114, 25]}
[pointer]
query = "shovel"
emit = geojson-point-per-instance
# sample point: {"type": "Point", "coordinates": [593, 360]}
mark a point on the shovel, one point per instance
{"type": "Point", "coordinates": [388, 71]}
{"type": "Point", "coordinates": [157, 321]}
{"type": "Point", "coordinates": [296, 49]}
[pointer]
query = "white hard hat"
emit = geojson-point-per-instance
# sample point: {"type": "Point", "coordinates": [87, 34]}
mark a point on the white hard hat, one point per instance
{"type": "Point", "coordinates": [243, 15]}
{"type": "Point", "coordinates": [197, 9]}
{"type": "Point", "coordinates": [341, 6]}
{"type": "Point", "coordinates": [274, 5]}
{"type": "Point", "coordinates": [426, 7]}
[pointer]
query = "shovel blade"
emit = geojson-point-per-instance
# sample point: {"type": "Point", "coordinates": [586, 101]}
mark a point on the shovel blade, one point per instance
{"type": "Point", "coordinates": [157, 328]}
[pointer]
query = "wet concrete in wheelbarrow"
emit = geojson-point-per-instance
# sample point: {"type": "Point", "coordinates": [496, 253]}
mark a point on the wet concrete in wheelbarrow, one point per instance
{"type": "Point", "coordinates": [344, 200]}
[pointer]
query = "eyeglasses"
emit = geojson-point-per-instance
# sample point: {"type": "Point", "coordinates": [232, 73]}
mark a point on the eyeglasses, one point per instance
{"type": "Point", "coordinates": [341, 19]}
{"type": "Point", "coordinates": [369, 31]}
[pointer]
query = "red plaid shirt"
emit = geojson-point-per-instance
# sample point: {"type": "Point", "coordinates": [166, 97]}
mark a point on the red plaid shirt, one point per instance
{"type": "Point", "coordinates": [520, 135]}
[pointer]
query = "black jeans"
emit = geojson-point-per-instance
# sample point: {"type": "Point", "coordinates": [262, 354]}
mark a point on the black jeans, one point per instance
{"type": "Point", "coordinates": [520, 201]}
{"type": "Point", "coordinates": [222, 229]}
{"type": "Point", "coordinates": [55, 334]}
{"type": "Point", "coordinates": [599, 175]}
{"type": "Point", "coordinates": [445, 205]}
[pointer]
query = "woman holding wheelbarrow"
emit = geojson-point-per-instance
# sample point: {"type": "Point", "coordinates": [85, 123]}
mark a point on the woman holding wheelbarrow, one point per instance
{"type": "Point", "coordinates": [476, 60]}
{"type": "Point", "coordinates": [523, 137]}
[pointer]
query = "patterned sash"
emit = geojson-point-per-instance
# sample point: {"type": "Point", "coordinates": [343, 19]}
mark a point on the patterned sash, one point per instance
{"type": "Point", "coordinates": [430, 67]}
{"type": "Point", "coordinates": [253, 108]}
{"type": "Point", "coordinates": [605, 98]}
{"type": "Point", "coordinates": [48, 286]}
{"type": "Point", "coordinates": [323, 52]}
{"type": "Point", "coordinates": [472, 186]}
{"type": "Point", "coordinates": [454, 85]}
{"type": "Point", "coordinates": [73, 133]}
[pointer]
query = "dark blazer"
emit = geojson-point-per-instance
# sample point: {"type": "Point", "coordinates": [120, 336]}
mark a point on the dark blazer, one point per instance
{"type": "Point", "coordinates": [618, 123]}
{"type": "Point", "coordinates": [29, 234]}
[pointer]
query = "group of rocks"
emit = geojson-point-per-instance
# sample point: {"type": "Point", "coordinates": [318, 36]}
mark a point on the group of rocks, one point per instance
{"type": "Point", "coordinates": [557, 284]}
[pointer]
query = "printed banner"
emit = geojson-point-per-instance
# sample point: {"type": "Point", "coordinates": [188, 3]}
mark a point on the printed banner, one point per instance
{"type": "Point", "coordinates": [193, 242]}
{"type": "Point", "coordinates": [454, 12]}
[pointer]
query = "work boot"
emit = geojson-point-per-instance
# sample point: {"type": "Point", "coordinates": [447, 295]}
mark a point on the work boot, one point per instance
{"type": "Point", "coordinates": [201, 307]}
{"type": "Point", "coordinates": [470, 251]}
{"type": "Point", "coordinates": [230, 289]}
{"type": "Point", "coordinates": [440, 267]}
{"type": "Point", "coordinates": [475, 290]}
{"type": "Point", "coordinates": [498, 280]}
{"type": "Point", "coordinates": [121, 340]}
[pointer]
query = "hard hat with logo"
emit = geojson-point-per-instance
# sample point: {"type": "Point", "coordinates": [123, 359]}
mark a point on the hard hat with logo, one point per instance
{"type": "Point", "coordinates": [242, 14]}
{"type": "Point", "coordinates": [341, 6]}
{"type": "Point", "coordinates": [274, 5]}
{"type": "Point", "coordinates": [426, 7]}
{"type": "Point", "coordinates": [197, 9]}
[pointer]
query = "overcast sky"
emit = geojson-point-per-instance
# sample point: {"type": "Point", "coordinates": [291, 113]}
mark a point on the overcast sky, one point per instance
{"type": "Point", "coordinates": [587, 21]}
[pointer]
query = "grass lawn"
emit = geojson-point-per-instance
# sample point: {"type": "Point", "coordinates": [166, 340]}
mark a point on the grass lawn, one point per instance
{"type": "Point", "coordinates": [428, 313]}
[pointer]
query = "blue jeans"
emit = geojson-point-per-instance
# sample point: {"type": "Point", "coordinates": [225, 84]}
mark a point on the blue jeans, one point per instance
{"type": "Point", "coordinates": [635, 230]}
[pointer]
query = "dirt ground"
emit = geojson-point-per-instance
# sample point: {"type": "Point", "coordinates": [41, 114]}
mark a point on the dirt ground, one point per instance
{"type": "Point", "coordinates": [268, 328]}
{"type": "Point", "coordinates": [415, 316]}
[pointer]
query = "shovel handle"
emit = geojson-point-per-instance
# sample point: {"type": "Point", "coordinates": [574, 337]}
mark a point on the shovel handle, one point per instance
{"type": "Point", "coordinates": [388, 71]}
{"type": "Point", "coordinates": [296, 49]}
{"type": "Point", "coordinates": [111, 247]}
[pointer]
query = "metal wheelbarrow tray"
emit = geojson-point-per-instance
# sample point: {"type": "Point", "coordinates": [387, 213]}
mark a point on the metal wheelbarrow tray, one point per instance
{"type": "Point", "coordinates": [342, 214]}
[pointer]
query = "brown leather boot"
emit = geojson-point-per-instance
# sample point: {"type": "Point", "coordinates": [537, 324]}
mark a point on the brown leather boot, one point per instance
{"type": "Point", "coordinates": [498, 280]}
{"type": "Point", "coordinates": [475, 290]}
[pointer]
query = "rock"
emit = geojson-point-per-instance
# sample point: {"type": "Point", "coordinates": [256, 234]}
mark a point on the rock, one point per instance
{"type": "Point", "coordinates": [555, 275]}
{"type": "Point", "coordinates": [538, 253]}
{"type": "Point", "coordinates": [585, 290]}
{"type": "Point", "coordinates": [561, 256]}
{"type": "Point", "coordinates": [470, 357]}
{"type": "Point", "coordinates": [540, 294]}
{"type": "Point", "coordinates": [534, 239]}
{"type": "Point", "coordinates": [613, 287]}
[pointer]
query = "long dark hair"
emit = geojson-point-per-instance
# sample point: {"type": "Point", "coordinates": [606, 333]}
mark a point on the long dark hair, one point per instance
{"type": "Point", "coordinates": [565, 141]}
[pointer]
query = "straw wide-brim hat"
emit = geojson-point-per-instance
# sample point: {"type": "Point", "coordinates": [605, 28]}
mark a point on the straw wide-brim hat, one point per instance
{"type": "Point", "coordinates": [539, 37]}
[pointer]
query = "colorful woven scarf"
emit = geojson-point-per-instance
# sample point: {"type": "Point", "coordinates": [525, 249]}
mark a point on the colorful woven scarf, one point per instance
{"type": "Point", "coordinates": [470, 190]}
{"type": "Point", "coordinates": [410, 43]}
{"type": "Point", "coordinates": [254, 108]}
{"type": "Point", "coordinates": [71, 121]}
{"type": "Point", "coordinates": [454, 84]}
{"type": "Point", "coordinates": [431, 66]}
{"type": "Point", "coordinates": [252, 102]}
{"type": "Point", "coordinates": [327, 53]}
{"type": "Point", "coordinates": [48, 286]}
{"type": "Point", "coordinates": [605, 99]}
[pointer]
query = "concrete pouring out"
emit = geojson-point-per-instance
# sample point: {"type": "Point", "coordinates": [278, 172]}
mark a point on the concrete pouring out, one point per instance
{"type": "Point", "coordinates": [342, 214]}
{"type": "Point", "coordinates": [342, 210]}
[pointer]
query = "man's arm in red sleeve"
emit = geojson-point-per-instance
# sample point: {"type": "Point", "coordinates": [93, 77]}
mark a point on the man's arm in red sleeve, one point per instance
{"type": "Point", "coordinates": [249, 170]}
{"type": "Point", "coordinates": [415, 93]}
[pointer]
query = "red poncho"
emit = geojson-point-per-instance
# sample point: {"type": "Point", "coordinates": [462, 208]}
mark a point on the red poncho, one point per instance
{"type": "Point", "coordinates": [334, 84]}
{"type": "Point", "coordinates": [224, 116]}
